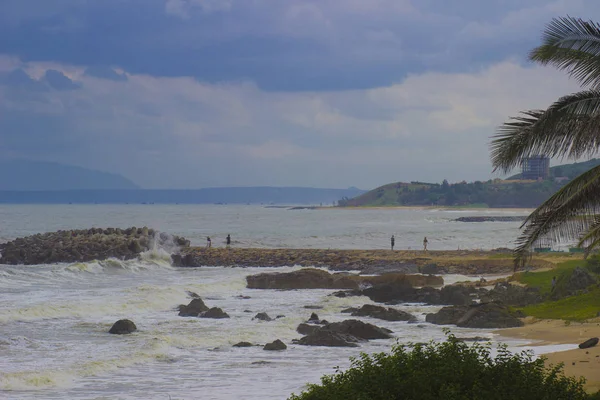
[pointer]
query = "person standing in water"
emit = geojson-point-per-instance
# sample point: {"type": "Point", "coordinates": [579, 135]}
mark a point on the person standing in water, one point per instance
{"type": "Point", "coordinates": [208, 242]}
{"type": "Point", "coordinates": [425, 241]}
{"type": "Point", "coordinates": [392, 242]}
{"type": "Point", "coordinates": [228, 240]}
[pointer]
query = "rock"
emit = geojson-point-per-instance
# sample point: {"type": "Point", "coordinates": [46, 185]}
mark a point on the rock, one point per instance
{"type": "Point", "coordinates": [489, 316]}
{"type": "Point", "coordinates": [568, 285]}
{"type": "Point", "coordinates": [432, 269]}
{"type": "Point", "coordinates": [359, 329]}
{"type": "Point", "coordinates": [400, 291]}
{"type": "Point", "coordinates": [192, 295]}
{"type": "Point", "coordinates": [313, 307]}
{"type": "Point", "coordinates": [243, 344]}
{"type": "Point", "coordinates": [322, 337]}
{"type": "Point", "coordinates": [276, 345]}
{"type": "Point", "coordinates": [313, 317]}
{"type": "Point", "coordinates": [214, 312]}
{"type": "Point", "coordinates": [81, 245]}
{"type": "Point", "coordinates": [387, 314]}
{"type": "Point", "coordinates": [122, 327]}
{"type": "Point", "coordinates": [307, 329]}
{"type": "Point", "coordinates": [456, 295]}
{"type": "Point", "coordinates": [447, 315]}
{"type": "Point", "coordinates": [306, 278]}
{"type": "Point", "coordinates": [263, 317]}
{"type": "Point", "coordinates": [589, 343]}
{"type": "Point", "coordinates": [512, 295]}
{"type": "Point", "coordinates": [193, 309]}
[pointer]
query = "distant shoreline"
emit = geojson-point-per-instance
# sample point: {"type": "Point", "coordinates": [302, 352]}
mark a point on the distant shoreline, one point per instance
{"type": "Point", "coordinates": [441, 208]}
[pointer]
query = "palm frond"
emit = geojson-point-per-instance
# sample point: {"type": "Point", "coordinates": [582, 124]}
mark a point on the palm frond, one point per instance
{"type": "Point", "coordinates": [572, 44]}
{"type": "Point", "coordinates": [564, 216]}
{"type": "Point", "coordinates": [569, 128]}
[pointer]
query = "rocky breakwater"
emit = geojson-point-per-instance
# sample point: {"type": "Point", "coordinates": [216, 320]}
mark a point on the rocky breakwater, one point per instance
{"type": "Point", "coordinates": [86, 245]}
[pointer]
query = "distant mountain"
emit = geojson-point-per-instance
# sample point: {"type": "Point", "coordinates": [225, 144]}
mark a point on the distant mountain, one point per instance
{"type": "Point", "coordinates": [231, 195]}
{"type": "Point", "coordinates": [23, 175]}
{"type": "Point", "coordinates": [567, 170]}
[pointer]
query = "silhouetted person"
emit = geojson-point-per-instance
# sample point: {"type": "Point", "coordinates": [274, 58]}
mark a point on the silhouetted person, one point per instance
{"type": "Point", "coordinates": [208, 242]}
{"type": "Point", "coordinates": [425, 241]}
{"type": "Point", "coordinates": [392, 242]}
{"type": "Point", "coordinates": [228, 240]}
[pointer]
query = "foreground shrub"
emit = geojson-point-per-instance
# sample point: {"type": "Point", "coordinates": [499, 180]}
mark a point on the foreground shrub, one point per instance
{"type": "Point", "coordinates": [450, 370]}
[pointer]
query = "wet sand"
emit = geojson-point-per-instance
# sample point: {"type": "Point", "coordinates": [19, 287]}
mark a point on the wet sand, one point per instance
{"type": "Point", "coordinates": [578, 362]}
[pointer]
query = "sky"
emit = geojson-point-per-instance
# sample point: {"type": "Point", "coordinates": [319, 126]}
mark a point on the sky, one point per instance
{"type": "Point", "coordinates": [318, 93]}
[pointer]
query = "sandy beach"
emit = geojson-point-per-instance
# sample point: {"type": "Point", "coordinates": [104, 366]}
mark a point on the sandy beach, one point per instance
{"type": "Point", "coordinates": [578, 362]}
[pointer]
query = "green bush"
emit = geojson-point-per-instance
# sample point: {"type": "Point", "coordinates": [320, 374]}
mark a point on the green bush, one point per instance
{"type": "Point", "coordinates": [450, 370]}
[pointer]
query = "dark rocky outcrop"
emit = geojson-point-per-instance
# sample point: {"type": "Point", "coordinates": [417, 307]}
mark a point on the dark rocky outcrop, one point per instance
{"type": "Point", "coordinates": [512, 295]}
{"type": "Point", "coordinates": [485, 315]}
{"type": "Point", "coordinates": [447, 315]}
{"type": "Point", "coordinates": [312, 278]}
{"type": "Point", "coordinates": [573, 283]}
{"type": "Point", "coordinates": [341, 334]}
{"type": "Point", "coordinates": [387, 314]}
{"type": "Point", "coordinates": [193, 309]}
{"type": "Point", "coordinates": [243, 344]}
{"type": "Point", "coordinates": [214, 312]}
{"type": "Point", "coordinates": [276, 345]}
{"type": "Point", "coordinates": [323, 337]}
{"type": "Point", "coordinates": [500, 218]}
{"type": "Point", "coordinates": [589, 343]}
{"type": "Point", "coordinates": [123, 327]}
{"type": "Point", "coordinates": [307, 329]}
{"type": "Point", "coordinates": [85, 245]}
{"type": "Point", "coordinates": [403, 292]}
{"type": "Point", "coordinates": [262, 316]}
{"type": "Point", "coordinates": [456, 295]}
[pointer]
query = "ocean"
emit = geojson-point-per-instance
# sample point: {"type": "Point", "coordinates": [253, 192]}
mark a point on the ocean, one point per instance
{"type": "Point", "coordinates": [54, 319]}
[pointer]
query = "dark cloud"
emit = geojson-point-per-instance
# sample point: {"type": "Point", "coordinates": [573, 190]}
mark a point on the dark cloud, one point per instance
{"type": "Point", "coordinates": [280, 45]}
{"type": "Point", "coordinates": [59, 81]}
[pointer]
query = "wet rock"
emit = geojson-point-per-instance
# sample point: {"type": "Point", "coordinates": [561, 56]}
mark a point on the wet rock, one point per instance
{"type": "Point", "coordinates": [447, 315]}
{"type": "Point", "coordinates": [359, 329]}
{"type": "Point", "coordinates": [387, 314]}
{"type": "Point", "coordinates": [123, 327]}
{"type": "Point", "coordinates": [307, 278]}
{"type": "Point", "coordinates": [214, 312]}
{"type": "Point", "coordinates": [307, 329]}
{"type": "Point", "coordinates": [568, 285]}
{"type": "Point", "coordinates": [313, 307]}
{"type": "Point", "coordinates": [193, 309]}
{"type": "Point", "coordinates": [83, 245]}
{"type": "Point", "coordinates": [589, 343]}
{"type": "Point", "coordinates": [485, 315]}
{"type": "Point", "coordinates": [456, 295]}
{"type": "Point", "coordinates": [263, 317]}
{"type": "Point", "coordinates": [512, 295]}
{"type": "Point", "coordinates": [313, 317]}
{"type": "Point", "coordinates": [243, 344]}
{"type": "Point", "coordinates": [390, 292]}
{"type": "Point", "coordinates": [276, 345]}
{"type": "Point", "coordinates": [322, 337]}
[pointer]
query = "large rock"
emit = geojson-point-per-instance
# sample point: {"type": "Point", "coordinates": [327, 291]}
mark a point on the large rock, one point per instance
{"type": "Point", "coordinates": [323, 337]}
{"type": "Point", "coordinates": [214, 312]}
{"type": "Point", "coordinates": [262, 316]}
{"type": "Point", "coordinates": [512, 295]}
{"type": "Point", "coordinates": [359, 329]}
{"type": "Point", "coordinates": [570, 284]}
{"type": "Point", "coordinates": [489, 316]}
{"type": "Point", "coordinates": [485, 315]}
{"type": "Point", "coordinates": [86, 245]}
{"type": "Point", "coordinates": [123, 327]}
{"type": "Point", "coordinates": [391, 292]}
{"type": "Point", "coordinates": [456, 295]}
{"type": "Point", "coordinates": [447, 315]}
{"type": "Point", "coordinates": [276, 345]}
{"type": "Point", "coordinates": [312, 278]}
{"type": "Point", "coordinates": [306, 278]}
{"type": "Point", "coordinates": [387, 314]}
{"type": "Point", "coordinates": [193, 309]}
{"type": "Point", "coordinates": [307, 329]}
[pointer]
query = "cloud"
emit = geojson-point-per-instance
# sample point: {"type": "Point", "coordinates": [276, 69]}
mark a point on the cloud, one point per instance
{"type": "Point", "coordinates": [105, 73]}
{"type": "Point", "coordinates": [280, 45]}
{"type": "Point", "coordinates": [59, 81]}
{"type": "Point", "coordinates": [178, 132]}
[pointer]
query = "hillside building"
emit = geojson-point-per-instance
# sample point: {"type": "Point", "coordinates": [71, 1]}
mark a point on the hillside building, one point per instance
{"type": "Point", "coordinates": [536, 167]}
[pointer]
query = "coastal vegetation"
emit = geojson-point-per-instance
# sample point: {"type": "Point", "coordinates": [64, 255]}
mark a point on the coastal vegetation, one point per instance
{"type": "Point", "coordinates": [566, 129]}
{"type": "Point", "coordinates": [447, 370]}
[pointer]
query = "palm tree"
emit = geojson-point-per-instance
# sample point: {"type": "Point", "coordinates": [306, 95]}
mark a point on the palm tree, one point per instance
{"type": "Point", "coordinates": [569, 128]}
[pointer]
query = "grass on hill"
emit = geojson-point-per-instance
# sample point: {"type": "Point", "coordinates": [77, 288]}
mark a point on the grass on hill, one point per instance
{"type": "Point", "coordinates": [573, 308]}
